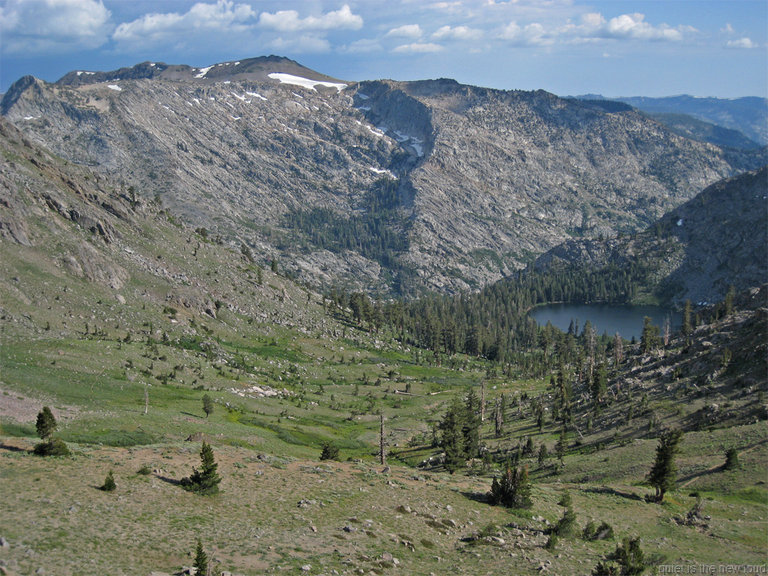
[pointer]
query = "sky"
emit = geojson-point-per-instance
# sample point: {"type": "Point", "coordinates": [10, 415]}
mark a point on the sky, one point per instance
{"type": "Point", "coordinates": [569, 47]}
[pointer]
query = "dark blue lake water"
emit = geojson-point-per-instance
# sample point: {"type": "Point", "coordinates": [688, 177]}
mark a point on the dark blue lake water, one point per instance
{"type": "Point", "coordinates": [606, 318]}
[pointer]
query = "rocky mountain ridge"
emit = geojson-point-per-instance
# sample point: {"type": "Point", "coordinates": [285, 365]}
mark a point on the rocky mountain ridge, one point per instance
{"type": "Point", "coordinates": [268, 154]}
{"type": "Point", "coordinates": [698, 251]}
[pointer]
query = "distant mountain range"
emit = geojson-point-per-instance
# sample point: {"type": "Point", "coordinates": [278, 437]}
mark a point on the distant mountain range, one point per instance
{"type": "Point", "coordinates": [391, 187]}
{"type": "Point", "coordinates": [748, 116]}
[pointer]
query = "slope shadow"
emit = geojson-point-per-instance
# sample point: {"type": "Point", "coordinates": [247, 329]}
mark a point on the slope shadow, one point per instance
{"type": "Point", "coordinates": [171, 481]}
{"type": "Point", "coordinates": [477, 497]}
{"type": "Point", "coordinates": [614, 492]}
{"type": "Point", "coordinates": [688, 478]}
{"type": "Point", "coordinates": [11, 448]}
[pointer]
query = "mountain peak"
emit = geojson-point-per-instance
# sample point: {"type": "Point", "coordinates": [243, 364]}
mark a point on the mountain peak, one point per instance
{"type": "Point", "coordinates": [250, 69]}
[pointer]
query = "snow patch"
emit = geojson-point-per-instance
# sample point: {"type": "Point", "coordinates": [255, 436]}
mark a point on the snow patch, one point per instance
{"type": "Point", "coordinates": [680, 222]}
{"type": "Point", "coordinates": [304, 82]}
{"type": "Point", "coordinates": [382, 171]}
{"type": "Point", "coordinates": [256, 95]}
{"type": "Point", "coordinates": [374, 131]}
{"type": "Point", "coordinates": [115, 87]}
{"type": "Point", "coordinates": [363, 96]}
{"type": "Point", "coordinates": [416, 143]}
{"type": "Point", "coordinates": [203, 72]}
{"type": "Point", "coordinates": [81, 72]}
{"type": "Point", "coordinates": [31, 117]}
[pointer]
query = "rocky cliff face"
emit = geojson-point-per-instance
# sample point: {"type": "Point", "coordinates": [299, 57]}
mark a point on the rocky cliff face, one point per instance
{"type": "Point", "coordinates": [272, 155]}
{"type": "Point", "coordinates": [697, 251]}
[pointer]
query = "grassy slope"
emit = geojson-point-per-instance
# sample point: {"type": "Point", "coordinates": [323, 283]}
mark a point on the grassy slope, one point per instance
{"type": "Point", "coordinates": [65, 344]}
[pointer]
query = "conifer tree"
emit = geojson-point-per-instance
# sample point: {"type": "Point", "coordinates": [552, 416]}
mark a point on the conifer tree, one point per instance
{"type": "Point", "coordinates": [663, 475]}
{"type": "Point", "coordinates": [514, 488]}
{"type": "Point", "coordinates": [46, 423]}
{"type": "Point", "coordinates": [499, 419]}
{"type": "Point", "coordinates": [46, 426]}
{"type": "Point", "coordinates": [205, 480]}
{"type": "Point", "coordinates": [687, 325]}
{"type": "Point", "coordinates": [543, 454]}
{"type": "Point", "coordinates": [729, 298]}
{"type": "Point", "coordinates": [452, 439]}
{"type": "Point", "coordinates": [649, 338]}
{"type": "Point", "coordinates": [470, 429]}
{"type": "Point", "coordinates": [599, 384]}
{"type": "Point", "coordinates": [207, 405]}
{"type": "Point", "coordinates": [109, 483]}
{"type": "Point", "coordinates": [201, 560]}
{"type": "Point", "coordinates": [731, 459]}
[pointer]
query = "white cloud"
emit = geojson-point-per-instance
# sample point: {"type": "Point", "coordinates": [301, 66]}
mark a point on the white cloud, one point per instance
{"type": "Point", "coordinates": [457, 33]}
{"type": "Point", "coordinates": [418, 48]}
{"type": "Point", "coordinates": [635, 26]}
{"type": "Point", "coordinates": [533, 34]}
{"type": "Point", "coordinates": [594, 27]}
{"type": "Point", "coordinates": [362, 46]}
{"type": "Point", "coordinates": [405, 31]}
{"type": "Point", "coordinates": [741, 43]}
{"type": "Point", "coordinates": [289, 21]}
{"type": "Point", "coordinates": [223, 17]}
{"type": "Point", "coordinates": [40, 25]}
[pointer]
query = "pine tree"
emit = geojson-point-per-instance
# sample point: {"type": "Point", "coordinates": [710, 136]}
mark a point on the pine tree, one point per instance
{"type": "Point", "coordinates": [499, 419]}
{"type": "Point", "coordinates": [729, 298]}
{"type": "Point", "coordinates": [330, 451]}
{"type": "Point", "coordinates": [207, 405]}
{"type": "Point", "coordinates": [599, 384]}
{"type": "Point", "coordinates": [627, 560]}
{"type": "Point", "coordinates": [543, 454]}
{"type": "Point", "coordinates": [109, 483]}
{"type": "Point", "coordinates": [630, 557]}
{"type": "Point", "coordinates": [452, 439]}
{"type": "Point", "coordinates": [205, 480]}
{"type": "Point", "coordinates": [201, 560]}
{"type": "Point", "coordinates": [687, 325]}
{"type": "Point", "coordinates": [514, 489]}
{"type": "Point", "coordinates": [649, 338]}
{"type": "Point", "coordinates": [470, 429]}
{"type": "Point", "coordinates": [46, 423]}
{"type": "Point", "coordinates": [731, 459]}
{"type": "Point", "coordinates": [663, 475]}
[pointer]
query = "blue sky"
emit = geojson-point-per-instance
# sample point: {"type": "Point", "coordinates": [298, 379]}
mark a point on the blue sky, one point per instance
{"type": "Point", "coordinates": [615, 48]}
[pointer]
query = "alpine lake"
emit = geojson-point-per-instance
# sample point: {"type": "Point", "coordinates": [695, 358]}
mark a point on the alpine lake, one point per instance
{"type": "Point", "coordinates": [626, 319]}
